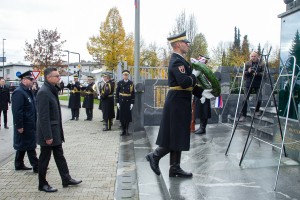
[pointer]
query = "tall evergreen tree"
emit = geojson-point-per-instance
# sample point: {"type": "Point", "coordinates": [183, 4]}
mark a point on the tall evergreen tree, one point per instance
{"type": "Point", "coordinates": [295, 49]}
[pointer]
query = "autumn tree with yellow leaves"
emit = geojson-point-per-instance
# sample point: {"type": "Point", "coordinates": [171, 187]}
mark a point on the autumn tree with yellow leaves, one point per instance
{"type": "Point", "coordinates": [112, 45]}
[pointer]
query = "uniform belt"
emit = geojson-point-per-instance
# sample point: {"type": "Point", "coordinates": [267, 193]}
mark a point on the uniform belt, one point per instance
{"type": "Point", "coordinates": [110, 95]}
{"type": "Point", "coordinates": [125, 95]}
{"type": "Point", "coordinates": [75, 91]}
{"type": "Point", "coordinates": [180, 88]}
{"type": "Point", "coordinates": [89, 92]}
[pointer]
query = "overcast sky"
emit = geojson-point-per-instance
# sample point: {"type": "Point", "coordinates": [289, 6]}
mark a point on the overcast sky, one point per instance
{"type": "Point", "coordinates": [20, 20]}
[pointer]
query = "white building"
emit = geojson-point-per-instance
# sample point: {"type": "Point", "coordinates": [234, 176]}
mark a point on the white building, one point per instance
{"type": "Point", "coordinates": [11, 70]}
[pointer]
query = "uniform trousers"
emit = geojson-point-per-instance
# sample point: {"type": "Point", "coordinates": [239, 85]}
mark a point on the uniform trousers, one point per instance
{"type": "Point", "coordinates": [19, 159]}
{"type": "Point", "coordinates": [60, 161]}
{"type": "Point", "coordinates": [4, 116]}
{"type": "Point", "coordinates": [89, 113]}
{"type": "Point", "coordinates": [75, 113]}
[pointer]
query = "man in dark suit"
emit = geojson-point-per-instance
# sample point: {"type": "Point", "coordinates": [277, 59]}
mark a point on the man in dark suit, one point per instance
{"type": "Point", "coordinates": [50, 131]}
{"type": "Point", "coordinates": [88, 101]}
{"type": "Point", "coordinates": [125, 101]}
{"type": "Point", "coordinates": [107, 98]}
{"type": "Point", "coordinates": [74, 99]}
{"type": "Point", "coordinates": [4, 101]}
{"type": "Point", "coordinates": [174, 131]}
{"type": "Point", "coordinates": [24, 115]}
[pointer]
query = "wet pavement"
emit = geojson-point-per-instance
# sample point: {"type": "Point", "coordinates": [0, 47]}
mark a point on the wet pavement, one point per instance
{"type": "Point", "coordinates": [217, 176]}
{"type": "Point", "coordinates": [114, 167]}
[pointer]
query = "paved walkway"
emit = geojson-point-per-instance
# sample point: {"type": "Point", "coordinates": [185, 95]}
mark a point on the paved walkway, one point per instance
{"type": "Point", "coordinates": [92, 156]}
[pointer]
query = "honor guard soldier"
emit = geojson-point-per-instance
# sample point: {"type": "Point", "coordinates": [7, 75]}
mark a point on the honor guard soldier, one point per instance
{"type": "Point", "coordinates": [88, 102]}
{"type": "Point", "coordinates": [174, 132]}
{"type": "Point", "coordinates": [74, 100]}
{"type": "Point", "coordinates": [107, 101]}
{"type": "Point", "coordinates": [125, 101]}
{"type": "Point", "coordinates": [202, 106]}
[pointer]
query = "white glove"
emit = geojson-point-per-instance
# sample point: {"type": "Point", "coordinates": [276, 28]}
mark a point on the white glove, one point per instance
{"type": "Point", "coordinates": [118, 106]}
{"type": "Point", "coordinates": [193, 60]}
{"type": "Point", "coordinates": [207, 94]}
{"type": "Point", "coordinates": [196, 72]}
{"type": "Point", "coordinates": [98, 96]}
{"type": "Point", "coordinates": [202, 99]}
{"type": "Point", "coordinates": [131, 105]}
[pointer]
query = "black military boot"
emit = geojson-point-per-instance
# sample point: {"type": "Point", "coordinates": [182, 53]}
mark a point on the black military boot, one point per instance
{"type": "Point", "coordinates": [202, 128]}
{"type": "Point", "coordinates": [123, 129]}
{"type": "Point", "coordinates": [175, 169]}
{"type": "Point", "coordinates": [105, 124]}
{"type": "Point", "coordinates": [127, 126]}
{"type": "Point", "coordinates": [154, 158]}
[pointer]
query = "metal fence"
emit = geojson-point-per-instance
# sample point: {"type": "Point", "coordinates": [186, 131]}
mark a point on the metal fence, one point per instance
{"type": "Point", "coordinates": [150, 73]}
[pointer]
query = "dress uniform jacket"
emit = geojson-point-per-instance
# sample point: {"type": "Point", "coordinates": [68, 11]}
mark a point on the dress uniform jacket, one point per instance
{"type": "Point", "coordinates": [125, 97]}
{"type": "Point", "coordinates": [174, 132]}
{"type": "Point", "coordinates": [49, 123]}
{"type": "Point", "coordinates": [4, 98]}
{"type": "Point", "coordinates": [107, 100]}
{"type": "Point", "coordinates": [24, 116]}
{"type": "Point", "coordinates": [74, 101]}
{"type": "Point", "coordinates": [88, 101]}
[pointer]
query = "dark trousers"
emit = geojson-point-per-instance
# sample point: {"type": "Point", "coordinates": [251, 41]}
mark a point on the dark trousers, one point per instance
{"type": "Point", "coordinates": [75, 113]}
{"type": "Point", "coordinates": [247, 94]}
{"type": "Point", "coordinates": [4, 116]}
{"type": "Point", "coordinates": [89, 113]}
{"type": "Point", "coordinates": [32, 156]}
{"type": "Point", "coordinates": [60, 161]}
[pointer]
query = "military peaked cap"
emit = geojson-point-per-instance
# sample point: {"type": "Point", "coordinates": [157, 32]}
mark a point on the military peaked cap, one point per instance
{"type": "Point", "coordinates": [125, 71]}
{"type": "Point", "coordinates": [178, 37]}
{"type": "Point", "coordinates": [27, 74]}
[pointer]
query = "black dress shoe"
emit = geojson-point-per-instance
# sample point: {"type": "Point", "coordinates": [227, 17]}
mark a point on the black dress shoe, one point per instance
{"type": "Point", "coordinates": [6, 127]}
{"type": "Point", "coordinates": [200, 131]}
{"type": "Point", "coordinates": [47, 188]}
{"type": "Point", "coordinates": [76, 119]}
{"type": "Point", "coordinates": [71, 182]}
{"type": "Point", "coordinates": [23, 168]}
{"type": "Point", "coordinates": [72, 119]}
{"type": "Point", "coordinates": [106, 129]}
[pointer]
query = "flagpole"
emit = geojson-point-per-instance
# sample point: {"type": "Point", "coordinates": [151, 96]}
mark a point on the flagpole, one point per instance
{"type": "Point", "coordinates": [137, 42]}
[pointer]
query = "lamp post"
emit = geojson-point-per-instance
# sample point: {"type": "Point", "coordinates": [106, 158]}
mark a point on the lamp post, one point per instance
{"type": "Point", "coordinates": [3, 58]}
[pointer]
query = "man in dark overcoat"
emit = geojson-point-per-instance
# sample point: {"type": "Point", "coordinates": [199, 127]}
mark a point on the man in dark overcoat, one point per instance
{"type": "Point", "coordinates": [74, 99]}
{"type": "Point", "coordinates": [174, 131]}
{"type": "Point", "coordinates": [202, 106]}
{"type": "Point", "coordinates": [24, 116]}
{"type": "Point", "coordinates": [50, 131]}
{"type": "Point", "coordinates": [88, 101]}
{"type": "Point", "coordinates": [107, 98]}
{"type": "Point", "coordinates": [4, 101]}
{"type": "Point", "coordinates": [125, 101]}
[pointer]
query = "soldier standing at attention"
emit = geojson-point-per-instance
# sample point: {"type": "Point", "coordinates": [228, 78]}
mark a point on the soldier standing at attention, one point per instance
{"type": "Point", "coordinates": [74, 99]}
{"type": "Point", "coordinates": [4, 101]}
{"type": "Point", "coordinates": [174, 132]}
{"type": "Point", "coordinates": [107, 99]}
{"type": "Point", "coordinates": [125, 101]}
{"type": "Point", "coordinates": [88, 102]}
